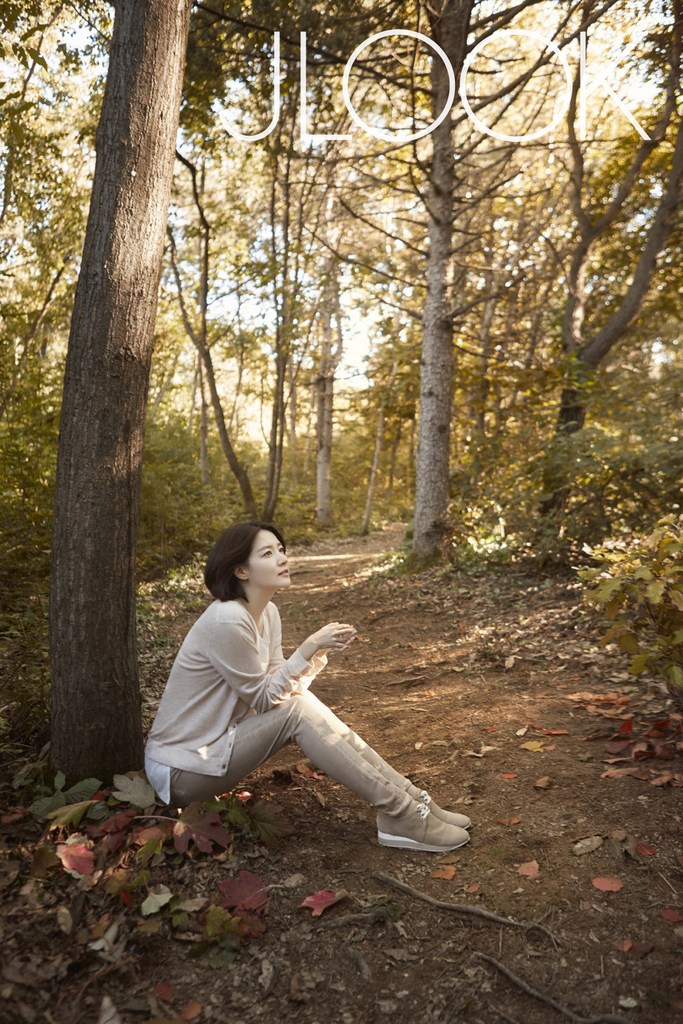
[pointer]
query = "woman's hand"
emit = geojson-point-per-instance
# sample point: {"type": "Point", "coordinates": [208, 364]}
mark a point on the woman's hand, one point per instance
{"type": "Point", "coordinates": [335, 636]}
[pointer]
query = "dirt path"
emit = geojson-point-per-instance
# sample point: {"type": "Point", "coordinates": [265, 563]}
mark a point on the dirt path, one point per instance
{"type": "Point", "coordinates": [467, 684]}
{"type": "Point", "coordinates": [447, 673]}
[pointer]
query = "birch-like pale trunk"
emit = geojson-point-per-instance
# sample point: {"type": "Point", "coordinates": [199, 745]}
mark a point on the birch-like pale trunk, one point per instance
{"type": "Point", "coordinates": [450, 21]}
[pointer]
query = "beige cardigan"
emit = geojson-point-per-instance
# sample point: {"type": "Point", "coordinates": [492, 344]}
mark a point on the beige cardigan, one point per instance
{"type": "Point", "coordinates": [224, 671]}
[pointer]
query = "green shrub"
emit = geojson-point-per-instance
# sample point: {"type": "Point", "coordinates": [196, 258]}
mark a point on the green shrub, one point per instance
{"type": "Point", "coordinates": [638, 587]}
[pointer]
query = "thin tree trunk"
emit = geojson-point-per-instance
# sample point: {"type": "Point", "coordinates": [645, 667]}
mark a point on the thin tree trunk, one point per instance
{"type": "Point", "coordinates": [199, 341]}
{"type": "Point", "coordinates": [203, 429]}
{"type": "Point", "coordinates": [327, 366]}
{"type": "Point", "coordinates": [392, 464]}
{"type": "Point", "coordinates": [30, 338]}
{"type": "Point", "coordinates": [96, 721]}
{"type": "Point", "coordinates": [450, 21]}
{"type": "Point", "coordinates": [376, 455]}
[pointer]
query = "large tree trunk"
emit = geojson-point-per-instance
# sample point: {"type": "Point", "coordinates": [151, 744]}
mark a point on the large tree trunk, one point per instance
{"type": "Point", "coordinates": [450, 21]}
{"type": "Point", "coordinates": [96, 722]}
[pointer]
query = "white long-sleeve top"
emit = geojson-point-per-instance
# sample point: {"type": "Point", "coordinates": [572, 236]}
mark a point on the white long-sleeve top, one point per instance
{"type": "Point", "coordinates": [225, 670]}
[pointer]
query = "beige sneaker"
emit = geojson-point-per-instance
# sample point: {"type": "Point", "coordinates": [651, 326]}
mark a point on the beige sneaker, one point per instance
{"type": "Point", "coordinates": [417, 829]}
{"type": "Point", "coordinates": [449, 817]}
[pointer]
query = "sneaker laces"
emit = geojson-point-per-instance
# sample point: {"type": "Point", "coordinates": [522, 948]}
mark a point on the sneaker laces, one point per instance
{"type": "Point", "coordinates": [422, 810]}
{"type": "Point", "coordinates": [425, 798]}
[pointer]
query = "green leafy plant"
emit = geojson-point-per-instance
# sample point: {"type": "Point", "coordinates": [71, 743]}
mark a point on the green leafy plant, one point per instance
{"type": "Point", "coordinates": [638, 588]}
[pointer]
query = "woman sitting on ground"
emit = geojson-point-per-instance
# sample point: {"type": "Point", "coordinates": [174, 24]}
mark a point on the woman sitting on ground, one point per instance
{"type": "Point", "coordinates": [232, 700]}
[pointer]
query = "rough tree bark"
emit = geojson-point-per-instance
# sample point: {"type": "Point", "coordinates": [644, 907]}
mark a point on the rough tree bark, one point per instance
{"type": "Point", "coordinates": [449, 20]}
{"type": "Point", "coordinates": [96, 721]}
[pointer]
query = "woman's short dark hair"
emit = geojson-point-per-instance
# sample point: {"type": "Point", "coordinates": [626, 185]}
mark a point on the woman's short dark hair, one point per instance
{"type": "Point", "coordinates": [233, 548]}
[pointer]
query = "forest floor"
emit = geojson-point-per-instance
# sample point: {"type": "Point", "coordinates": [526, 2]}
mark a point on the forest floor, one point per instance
{"type": "Point", "coordinates": [489, 689]}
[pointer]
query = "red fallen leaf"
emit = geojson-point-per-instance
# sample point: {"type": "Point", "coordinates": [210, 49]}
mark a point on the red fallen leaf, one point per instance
{"type": "Point", "coordinates": [323, 899]}
{"type": "Point", "coordinates": [641, 751]}
{"type": "Point", "coordinates": [250, 925]}
{"type": "Point", "coordinates": [556, 732]}
{"type": "Point", "coordinates": [247, 892]}
{"type": "Point", "coordinates": [509, 775]}
{"type": "Point", "coordinates": [646, 849]}
{"type": "Point", "coordinates": [164, 992]}
{"type": "Point", "coordinates": [634, 950]}
{"type": "Point", "coordinates": [474, 887]}
{"type": "Point", "coordinates": [637, 773]}
{"type": "Point", "coordinates": [659, 727]}
{"type": "Point", "coordinates": [77, 857]}
{"type": "Point", "coordinates": [309, 772]}
{"type": "Point", "coordinates": [118, 821]}
{"type": "Point", "coordinates": [204, 828]}
{"type": "Point", "coordinates": [626, 726]}
{"type": "Point", "coordinates": [663, 779]}
{"type": "Point", "coordinates": [616, 746]}
{"type": "Point", "coordinates": [126, 898]}
{"type": "Point", "coordinates": [529, 870]}
{"type": "Point", "coordinates": [607, 884]}
{"type": "Point", "coordinates": [669, 914]}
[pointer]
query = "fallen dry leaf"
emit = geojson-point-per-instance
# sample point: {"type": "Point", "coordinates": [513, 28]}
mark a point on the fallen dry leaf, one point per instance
{"type": "Point", "coordinates": [536, 746]}
{"type": "Point", "coordinates": [191, 1011]}
{"type": "Point", "coordinates": [607, 884]}
{"type": "Point", "coordinates": [447, 872]}
{"type": "Point", "coordinates": [323, 899]}
{"type": "Point", "coordinates": [545, 782]}
{"type": "Point", "coordinates": [509, 775]}
{"type": "Point", "coordinates": [529, 870]}
{"type": "Point", "coordinates": [646, 849]}
{"type": "Point", "coordinates": [247, 892]}
{"type": "Point", "coordinates": [669, 914]}
{"type": "Point", "coordinates": [587, 845]}
{"type": "Point", "coordinates": [474, 887]}
{"type": "Point", "coordinates": [77, 857]}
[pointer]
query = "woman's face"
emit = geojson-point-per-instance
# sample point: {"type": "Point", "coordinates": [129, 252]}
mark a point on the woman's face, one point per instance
{"type": "Point", "coordinates": [267, 563]}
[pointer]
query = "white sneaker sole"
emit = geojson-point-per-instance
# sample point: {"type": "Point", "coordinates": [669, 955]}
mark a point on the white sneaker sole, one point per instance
{"type": "Point", "coordinates": [404, 843]}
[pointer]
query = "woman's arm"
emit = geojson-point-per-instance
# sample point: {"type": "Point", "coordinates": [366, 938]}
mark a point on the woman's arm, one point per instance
{"type": "Point", "coordinates": [234, 653]}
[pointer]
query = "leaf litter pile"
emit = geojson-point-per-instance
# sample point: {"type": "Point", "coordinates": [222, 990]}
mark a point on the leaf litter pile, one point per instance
{"type": "Point", "coordinates": [276, 903]}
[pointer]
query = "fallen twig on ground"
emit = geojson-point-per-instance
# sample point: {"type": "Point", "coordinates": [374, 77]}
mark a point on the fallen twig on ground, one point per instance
{"type": "Point", "coordinates": [372, 917]}
{"type": "Point", "coordinates": [605, 1018]}
{"type": "Point", "coordinates": [462, 908]}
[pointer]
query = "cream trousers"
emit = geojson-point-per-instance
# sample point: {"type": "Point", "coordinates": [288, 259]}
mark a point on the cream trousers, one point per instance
{"type": "Point", "coordinates": [325, 740]}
